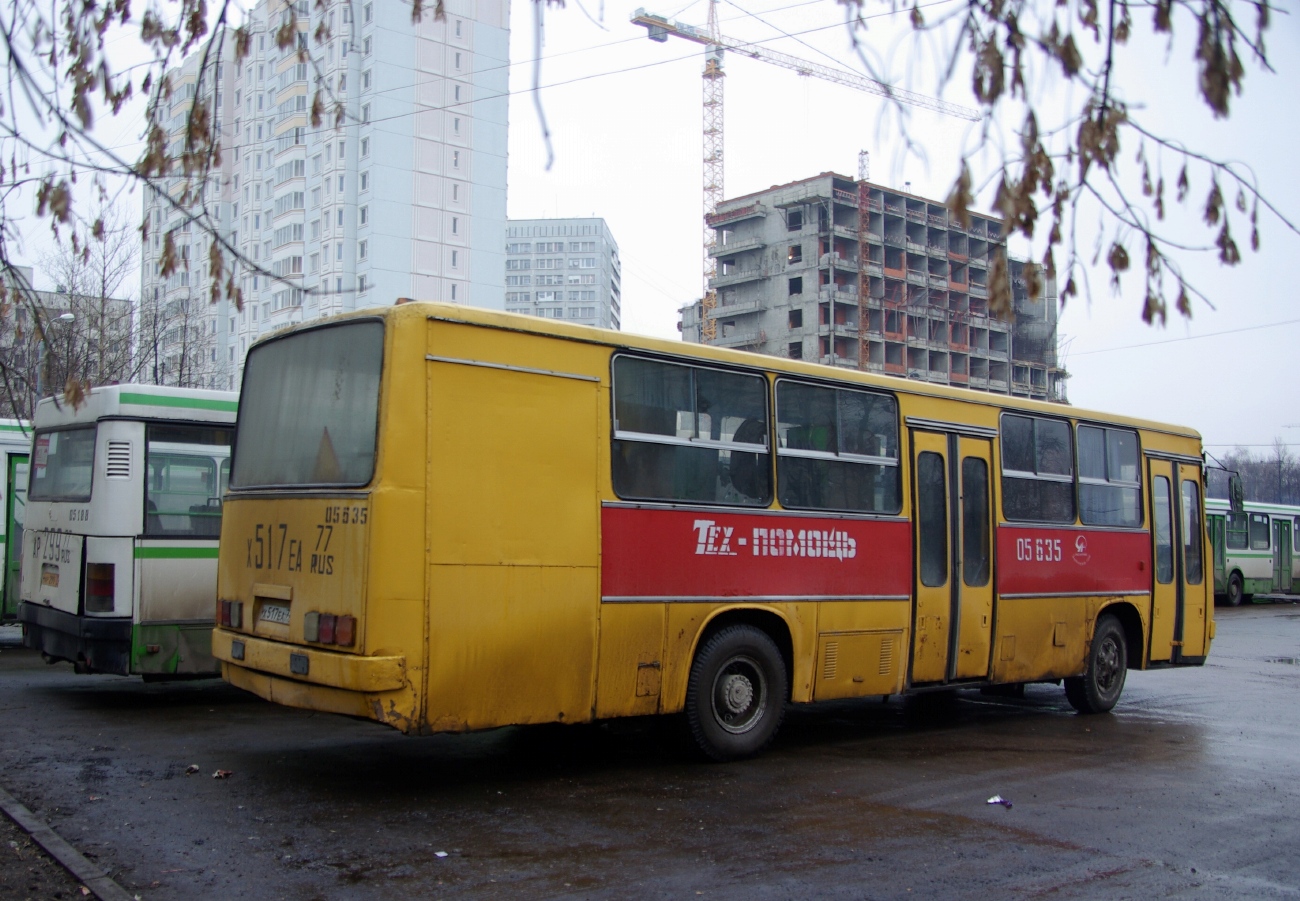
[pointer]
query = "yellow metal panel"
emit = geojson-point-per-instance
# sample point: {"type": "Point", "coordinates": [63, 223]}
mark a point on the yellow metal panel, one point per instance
{"type": "Point", "coordinates": [512, 468]}
{"type": "Point", "coordinates": [511, 644]}
{"type": "Point", "coordinates": [630, 675]}
{"type": "Point", "coordinates": [1032, 625]}
{"type": "Point", "coordinates": [855, 664]}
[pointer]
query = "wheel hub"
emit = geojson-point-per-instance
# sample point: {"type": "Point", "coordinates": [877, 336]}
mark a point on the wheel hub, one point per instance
{"type": "Point", "coordinates": [737, 693]}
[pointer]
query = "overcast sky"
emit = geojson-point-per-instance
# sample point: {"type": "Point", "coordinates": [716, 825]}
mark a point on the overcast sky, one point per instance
{"type": "Point", "coordinates": [625, 120]}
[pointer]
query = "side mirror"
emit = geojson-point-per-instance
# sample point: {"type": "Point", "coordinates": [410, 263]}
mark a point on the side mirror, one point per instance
{"type": "Point", "coordinates": [1236, 494]}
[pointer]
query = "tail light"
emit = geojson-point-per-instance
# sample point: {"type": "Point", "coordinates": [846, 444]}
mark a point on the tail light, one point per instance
{"type": "Point", "coordinates": [327, 628]}
{"type": "Point", "coordinates": [99, 587]}
{"type": "Point", "coordinates": [231, 614]}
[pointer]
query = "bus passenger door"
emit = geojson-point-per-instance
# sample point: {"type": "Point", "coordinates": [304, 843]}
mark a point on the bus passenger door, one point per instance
{"type": "Point", "coordinates": [1282, 551]}
{"type": "Point", "coordinates": [15, 507]}
{"type": "Point", "coordinates": [1165, 596]}
{"type": "Point", "coordinates": [1194, 601]}
{"type": "Point", "coordinates": [954, 586]}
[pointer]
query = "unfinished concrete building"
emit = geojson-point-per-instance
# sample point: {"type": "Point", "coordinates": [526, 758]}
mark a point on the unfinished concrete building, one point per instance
{"type": "Point", "coordinates": [862, 276]}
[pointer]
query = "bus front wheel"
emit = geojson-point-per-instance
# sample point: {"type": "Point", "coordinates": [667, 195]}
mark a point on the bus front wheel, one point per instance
{"type": "Point", "coordinates": [735, 698]}
{"type": "Point", "coordinates": [1099, 688]}
{"type": "Point", "coordinates": [1236, 591]}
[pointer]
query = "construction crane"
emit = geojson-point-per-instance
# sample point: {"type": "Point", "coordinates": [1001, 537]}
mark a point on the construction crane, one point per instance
{"type": "Point", "coordinates": [659, 29]}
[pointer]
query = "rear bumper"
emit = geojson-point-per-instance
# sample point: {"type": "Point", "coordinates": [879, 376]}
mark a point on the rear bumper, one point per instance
{"type": "Point", "coordinates": [99, 645]}
{"type": "Point", "coordinates": [316, 679]}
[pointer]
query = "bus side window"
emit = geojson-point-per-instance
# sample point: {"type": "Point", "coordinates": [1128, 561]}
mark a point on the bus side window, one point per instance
{"type": "Point", "coordinates": [1259, 532]}
{"type": "Point", "coordinates": [1037, 469]}
{"type": "Point", "coordinates": [1164, 527]}
{"type": "Point", "coordinates": [689, 433]}
{"type": "Point", "coordinates": [837, 449]}
{"type": "Point", "coordinates": [1236, 531]}
{"type": "Point", "coordinates": [1192, 541]}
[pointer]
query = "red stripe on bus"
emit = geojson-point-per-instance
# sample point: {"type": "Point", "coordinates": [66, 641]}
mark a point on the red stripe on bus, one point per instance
{"type": "Point", "coordinates": [684, 553]}
{"type": "Point", "coordinates": [1062, 560]}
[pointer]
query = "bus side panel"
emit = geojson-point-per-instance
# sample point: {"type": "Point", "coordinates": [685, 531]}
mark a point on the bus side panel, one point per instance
{"type": "Point", "coordinates": [1051, 581]}
{"type": "Point", "coordinates": [514, 541]}
{"type": "Point", "coordinates": [173, 622]}
{"type": "Point", "coordinates": [1040, 638]}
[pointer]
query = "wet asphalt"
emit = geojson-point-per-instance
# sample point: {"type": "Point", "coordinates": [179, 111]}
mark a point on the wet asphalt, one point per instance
{"type": "Point", "coordinates": [1190, 789]}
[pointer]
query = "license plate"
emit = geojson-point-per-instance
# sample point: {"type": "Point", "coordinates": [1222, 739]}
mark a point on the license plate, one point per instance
{"type": "Point", "coordinates": [275, 613]}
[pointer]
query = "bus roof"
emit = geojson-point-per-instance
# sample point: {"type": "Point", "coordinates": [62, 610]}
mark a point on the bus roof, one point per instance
{"type": "Point", "coordinates": [1219, 504]}
{"type": "Point", "coordinates": [140, 402]}
{"type": "Point", "coordinates": [15, 433]}
{"type": "Point", "coordinates": [448, 312]}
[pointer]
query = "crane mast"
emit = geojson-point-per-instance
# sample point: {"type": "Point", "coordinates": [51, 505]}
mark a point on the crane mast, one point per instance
{"type": "Point", "coordinates": [660, 29]}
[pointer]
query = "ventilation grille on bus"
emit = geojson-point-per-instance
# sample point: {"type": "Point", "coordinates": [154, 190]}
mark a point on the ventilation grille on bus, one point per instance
{"type": "Point", "coordinates": [830, 659]}
{"type": "Point", "coordinates": [886, 656]}
{"type": "Point", "coordinates": [119, 460]}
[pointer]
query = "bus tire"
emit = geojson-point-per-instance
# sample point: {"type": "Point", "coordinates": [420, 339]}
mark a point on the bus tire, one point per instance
{"type": "Point", "coordinates": [735, 698]}
{"type": "Point", "coordinates": [1101, 684]}
{"type": "Point", "coordinates": [1236, 591]}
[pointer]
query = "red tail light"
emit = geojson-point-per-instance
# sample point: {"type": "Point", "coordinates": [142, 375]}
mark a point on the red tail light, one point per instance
{"type": "Point", "coordinates": [327, 622]}
{"type": "Point", "coordinates": [345, 629]}
{"type": "Point", "coordinates": [99, 587]}
{"type": "Point", "coordinates": [223, 613]}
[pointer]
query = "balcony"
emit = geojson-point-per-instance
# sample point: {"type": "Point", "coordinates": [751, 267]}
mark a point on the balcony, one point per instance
{"type": "Point", "coordinates": [739, 246]}
{"type": "Point", "coordinates": [737, 277]}
{"type": "Point", "coordinates": [749, 338]}
{"type": "Point", "coordinates": [846, 231]}
{"type": "Point", "coordinates": [750, 211]}
{"type": "Point", "coordinates": [839, 262]}
{"type": "Point", "coordinates": [838, 294]}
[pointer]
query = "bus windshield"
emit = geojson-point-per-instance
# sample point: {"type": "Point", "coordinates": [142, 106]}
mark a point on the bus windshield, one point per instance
{"type": "Point", "coordinates": [309, 411]}
{"type": "Point", "coordinates": [62, 464]}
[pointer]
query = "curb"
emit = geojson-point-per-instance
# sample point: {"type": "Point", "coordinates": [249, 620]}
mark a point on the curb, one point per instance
{"type": "Point", "coordinates": [92, 875]}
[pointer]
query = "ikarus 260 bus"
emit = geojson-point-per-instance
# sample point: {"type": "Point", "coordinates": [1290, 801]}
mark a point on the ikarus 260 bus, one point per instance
{"type": "Point", "coordinates": [119, 554]}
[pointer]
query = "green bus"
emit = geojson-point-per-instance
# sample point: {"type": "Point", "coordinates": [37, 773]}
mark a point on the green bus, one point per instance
{"type": "Point", "coordinates": [1254, 550]}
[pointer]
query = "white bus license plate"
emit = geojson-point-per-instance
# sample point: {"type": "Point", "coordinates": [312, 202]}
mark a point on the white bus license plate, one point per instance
{"type": "Point", "coordinates": [275, 613]}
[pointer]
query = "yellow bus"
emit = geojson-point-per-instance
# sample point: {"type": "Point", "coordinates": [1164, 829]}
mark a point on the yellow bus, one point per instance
{"type": "Point", "coordinates": [446, 519]}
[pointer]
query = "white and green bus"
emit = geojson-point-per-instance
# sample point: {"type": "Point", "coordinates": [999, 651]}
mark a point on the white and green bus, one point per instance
{"type": "Point", "coordinates": [119, 554]}
{"type": "Point", "coordinates": [1254, 549]}
{"type": "Point", "coordinates": [15, 445]}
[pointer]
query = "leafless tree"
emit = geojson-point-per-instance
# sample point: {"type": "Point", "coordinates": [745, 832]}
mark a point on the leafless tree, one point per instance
{"type": "Point", "coordinates": [93, 280]}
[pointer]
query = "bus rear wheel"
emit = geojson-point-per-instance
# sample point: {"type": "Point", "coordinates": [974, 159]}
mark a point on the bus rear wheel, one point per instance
{"type": "Point", "coordinates": [735, 698]}
{"type": "Point", "coordinates": [1236, 591]}
{"type": "Point", "coordinates": [1101, 684]}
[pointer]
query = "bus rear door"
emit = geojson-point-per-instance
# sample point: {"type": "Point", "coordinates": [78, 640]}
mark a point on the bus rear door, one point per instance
{"type": "Point", "coordinates": [1178, 626]}
{"type": "Point", "coordinates": [952, 513]}
{"type": "Point", "coordinates": [1282, 550]}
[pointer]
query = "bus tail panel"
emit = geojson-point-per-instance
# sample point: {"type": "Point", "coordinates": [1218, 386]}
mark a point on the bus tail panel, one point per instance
{"type": "Point", "coordinates": [91, 644]}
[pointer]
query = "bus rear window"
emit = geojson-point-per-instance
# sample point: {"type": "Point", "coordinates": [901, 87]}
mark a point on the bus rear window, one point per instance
{"type": "Point", "coordinates": [62, 464]}
{"type": "Point", "coordinates": [309, 409]}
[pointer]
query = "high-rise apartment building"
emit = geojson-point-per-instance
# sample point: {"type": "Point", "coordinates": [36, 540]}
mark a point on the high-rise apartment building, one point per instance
{"type": "Point", "coordinates": [859, 275]}
{"type": "Point", "coordinates": [405, 197]}
{"type": "Point", "coordinates": [564, 269]}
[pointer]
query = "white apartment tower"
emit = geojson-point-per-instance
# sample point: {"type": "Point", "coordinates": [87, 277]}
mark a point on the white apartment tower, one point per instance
{"type": "Point", "coordinates": [564, 269]}
{"type": "Point", "coordinates": [403, 199]}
